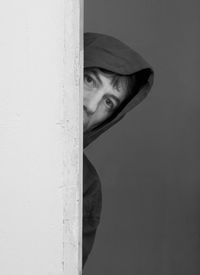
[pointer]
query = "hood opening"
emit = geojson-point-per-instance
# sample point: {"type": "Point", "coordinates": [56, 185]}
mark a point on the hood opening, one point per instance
{"type": "Point", "coordinates": [108, 53]}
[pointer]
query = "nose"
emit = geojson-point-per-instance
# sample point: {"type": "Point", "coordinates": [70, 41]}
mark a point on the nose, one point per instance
{"type": "Point", "coordinates": [91, 103]}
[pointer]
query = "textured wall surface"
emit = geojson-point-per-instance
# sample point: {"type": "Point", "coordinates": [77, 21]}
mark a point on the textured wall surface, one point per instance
{"type": "Point", "coordinates": [149, 162]}
{"type": "Point", "coordinates": [39, 137]}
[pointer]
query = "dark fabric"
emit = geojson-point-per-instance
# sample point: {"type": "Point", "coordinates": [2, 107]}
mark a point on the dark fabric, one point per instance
{"type": "Point", "coordinates": [91, 205]}
{"type": "Point", "coordinates": [106, 52]}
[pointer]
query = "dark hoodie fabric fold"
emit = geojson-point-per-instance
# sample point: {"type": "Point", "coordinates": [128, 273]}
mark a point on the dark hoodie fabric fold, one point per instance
{"type": "Point", "coordinates": [108, 53]}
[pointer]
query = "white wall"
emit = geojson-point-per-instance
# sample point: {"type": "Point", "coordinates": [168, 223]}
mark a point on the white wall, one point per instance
{"type": "Point", "coordinates": [36, 147]}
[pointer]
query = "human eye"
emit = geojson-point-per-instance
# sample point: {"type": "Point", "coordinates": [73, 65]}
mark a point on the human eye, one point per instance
{"type": "Point", "coordinates": [89, 80]}
{"type": "Point", "coordinates": [109, 103]}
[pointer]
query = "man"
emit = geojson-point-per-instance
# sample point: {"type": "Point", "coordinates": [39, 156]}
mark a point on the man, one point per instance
{"type": "Point", "coordinates": [116, 79]}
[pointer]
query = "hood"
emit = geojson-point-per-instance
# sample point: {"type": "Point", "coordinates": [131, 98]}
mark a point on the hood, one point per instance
{"type": "Point", "coordinates": [106, 52]}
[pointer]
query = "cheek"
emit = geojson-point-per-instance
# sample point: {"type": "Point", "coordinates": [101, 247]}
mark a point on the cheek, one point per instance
{"type": "Point", "coordinates": [101, 114]}
{"type": "Point", "coordinates": [98, 117]}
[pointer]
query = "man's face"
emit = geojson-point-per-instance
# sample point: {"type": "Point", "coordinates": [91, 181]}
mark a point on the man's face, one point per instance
{"type": "Point", "coordinates": [100, 98]}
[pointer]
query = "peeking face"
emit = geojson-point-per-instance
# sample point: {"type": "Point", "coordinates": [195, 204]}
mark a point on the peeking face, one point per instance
{"type": "Point", "coordinates": [103, 94]}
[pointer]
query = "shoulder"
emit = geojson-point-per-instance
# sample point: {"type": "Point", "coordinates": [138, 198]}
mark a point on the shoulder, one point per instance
{"type": "Point", "coordinates": [91, 178]}
{"type": "Point", "coordinates": [92, 201]}
{"type": "Point", "coordinates": [92, 193]}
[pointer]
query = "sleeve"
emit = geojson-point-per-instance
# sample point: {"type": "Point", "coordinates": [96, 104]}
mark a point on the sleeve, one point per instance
{"type": "Point", "coordinates": [92, 203]}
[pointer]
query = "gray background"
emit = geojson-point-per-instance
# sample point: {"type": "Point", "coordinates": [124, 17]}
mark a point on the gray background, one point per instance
{"type": "Point", "coordinates": [149, 162]}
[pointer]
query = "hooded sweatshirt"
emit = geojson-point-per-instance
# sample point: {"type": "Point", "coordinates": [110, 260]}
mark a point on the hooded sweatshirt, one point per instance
{"type": "Point", "coordinates": [108, 53]}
